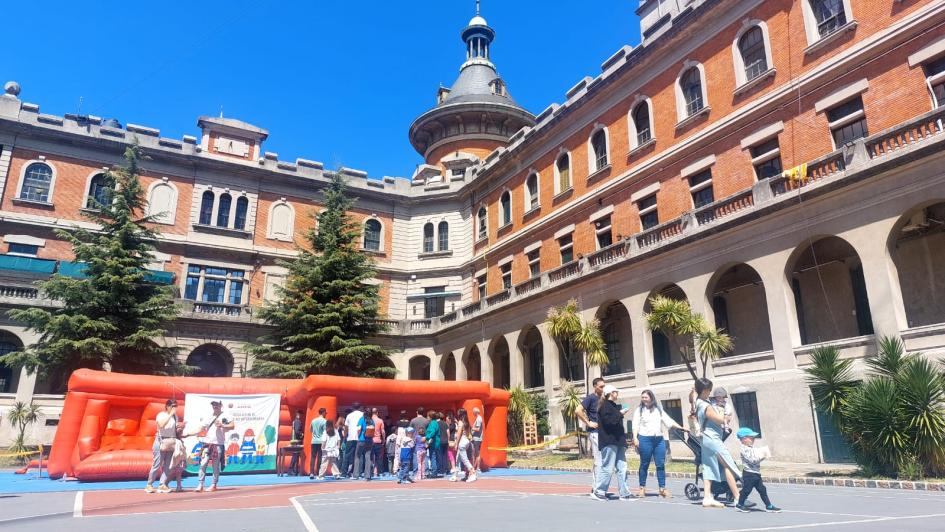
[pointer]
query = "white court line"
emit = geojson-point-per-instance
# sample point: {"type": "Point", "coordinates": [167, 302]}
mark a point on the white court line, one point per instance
{"type": "Point", "coordinates": [833, 523]}
{"type": "Point", "coordinates": [303, 515]}
{"type": "Point", "coordinates": [77, 505]}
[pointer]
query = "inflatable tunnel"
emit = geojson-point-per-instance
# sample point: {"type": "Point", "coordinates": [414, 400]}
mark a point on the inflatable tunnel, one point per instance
{"type": "Point", "coordinates": [107, 427]}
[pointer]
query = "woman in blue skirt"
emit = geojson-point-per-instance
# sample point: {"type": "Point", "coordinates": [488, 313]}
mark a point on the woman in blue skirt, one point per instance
{"type": "Point", "coordinates": [715, 455]}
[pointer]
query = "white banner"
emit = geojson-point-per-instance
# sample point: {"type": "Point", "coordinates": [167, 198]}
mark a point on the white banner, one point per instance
{"type": "Point", "coordinates": [249, 446]}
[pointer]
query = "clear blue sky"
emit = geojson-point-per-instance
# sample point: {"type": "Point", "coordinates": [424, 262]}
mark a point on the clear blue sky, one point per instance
{"type": "Point", "coordinates": [337, 82]}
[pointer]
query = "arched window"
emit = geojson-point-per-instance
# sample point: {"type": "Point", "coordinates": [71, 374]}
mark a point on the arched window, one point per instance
{"type": "Point", "coordinates": [428, 238]}
{"type": "Point", "coordinates": [443, 236]}
{"type": "Point", "coordinates": [641, 122]}
{"type": "Point", "coordinates": [162, 203]}
{"type": "Point", "coordinates": [9, 377]}
{"type": "Point", "coordinates": [599, 148]}
{"type": "Point", "coordinates": [506, 202]}
{"type": "Point", "coordinates": [531, 191]}
{"type": "Point", "coordinates": [99, 192]}
{"type": "Point", "coordinates": [223, 210]}
{"type": "Point", "coordinates": [372, 235]}
{"type": "Point", "coordinates": [211, 360]}
{"type": "Point", "coordinates": [281, 221]}
{"type": "Point", "coordinates": [563, 169]}
{"type": "Point", "coordinates": [37, 182]}
{"type": "Point", "coordinates": [751, 45]}
{"type": "Point", "coordinates": [481, 222]}
{"type": "Point", "coordinates": [691, 85]}
{"type": "Point", "coordinates": [242, 206]}
{"type": "Point", "coordinates": [829, 14]}
{"type": "Point", "coordinates": [206, 208]}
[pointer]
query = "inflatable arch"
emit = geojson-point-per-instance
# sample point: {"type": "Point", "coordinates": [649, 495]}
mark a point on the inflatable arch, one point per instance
{"type": "Point", "coordinates": [107, 425]}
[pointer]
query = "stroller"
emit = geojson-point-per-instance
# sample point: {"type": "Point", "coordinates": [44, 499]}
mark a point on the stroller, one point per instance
{"type": "Point", "coordinates": [693, 490]}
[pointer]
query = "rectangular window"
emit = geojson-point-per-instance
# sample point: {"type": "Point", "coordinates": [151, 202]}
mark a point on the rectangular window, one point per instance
{"type": "Point", "coordinates": [847, 122]}
{"type": "Point", "coordinates": [214, 285]}
{"type": "Point", "coordinates": [434, 307]}
{"type": "Point", "coordinates": [458, 172]}
{"type": "Point", "coordinates": [935, 77]}
{"type": "Point", "coordinates": [23, 249]}
{"type": "Point", "coordinates": [649, 216]}
{"type": "Point", "coordinates": [746, 408]}
{"type": "Point", "coordinates": [566, 244]}
{"type": "Point", "coordinates": [506, 275]}
{"type": "Point", "coordinates": [766, 158]}
{"type": "Point", "coordinates": [673, 408]}
{"type": "Point", "coordinates": [830, 15]}
{"type": "Point", "coordinates": [700, 186]}
{"type": "Point", "coordinates": [534, 263]}
{"type": "Point", "coordinates": [604, 233]}
{"type": "Point", "coordinates": [481, 282]}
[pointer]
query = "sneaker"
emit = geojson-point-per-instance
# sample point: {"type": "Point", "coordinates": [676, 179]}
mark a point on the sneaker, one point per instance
{"type": "Point", "coordinates": [199, 488]}
{"type": "Point", "coordinates": [400, 481]}
{"type": "Point", "coordinates": [312, 477]}
{"type": "Point", "coordinates": [213, 487]}
{"type": "Point", "coordinates": [629, 498]}
{"type": "Point", "coordinates": [410, 481]}
{"type": "Point", "coordinates": [163, 489]}
{"type": "Point", "coordinates": [597, 496]}
{"type": "Point", "coordinates": [772, 509]}
{"type": "Point", "coordinates": [743, 509]}
{"type": "Point", "coordinates": [453, 478]}
{"type": "Point", "coordinates": [749, 504]}
{"type": "Point", "coordinates": [472, 478]}
{"type": "Point", "coordinates": [149, 489]}
{"type": "Point", "coordinates": [712, 503]}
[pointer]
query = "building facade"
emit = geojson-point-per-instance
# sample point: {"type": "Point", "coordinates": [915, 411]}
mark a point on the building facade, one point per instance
{"type": "Point", "coordinates": [775, 163]}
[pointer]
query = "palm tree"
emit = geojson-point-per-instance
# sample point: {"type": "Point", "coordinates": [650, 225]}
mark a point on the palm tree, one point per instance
{"type": "Point", "coordinates": [895, 418]}
{"type": "Point", "coordinates": [519, 408]}
{"type": "Point", "coordinates": [22, 415]}
{"type": "Point", "coordinates": [577, 337]}
{"type": "Point", "coordinates": [570, 401]}
{"type": "Point", "coordinates": [675, 320]}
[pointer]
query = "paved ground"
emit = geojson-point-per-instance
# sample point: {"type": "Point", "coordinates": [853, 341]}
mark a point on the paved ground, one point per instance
{"type": "Point", "coordinates": [498, 501]}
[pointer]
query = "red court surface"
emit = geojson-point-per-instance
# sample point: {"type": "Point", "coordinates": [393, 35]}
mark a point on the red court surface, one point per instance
{"type": "Point", "coordinates": [127, 502]}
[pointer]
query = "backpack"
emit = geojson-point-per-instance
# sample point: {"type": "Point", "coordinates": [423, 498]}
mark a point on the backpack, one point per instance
{"type": "Point", "coordinates": [368, 427]}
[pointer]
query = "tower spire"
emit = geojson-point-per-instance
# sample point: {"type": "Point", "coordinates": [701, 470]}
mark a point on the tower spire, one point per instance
{"type": "Point", "coordinates": [477, 7]}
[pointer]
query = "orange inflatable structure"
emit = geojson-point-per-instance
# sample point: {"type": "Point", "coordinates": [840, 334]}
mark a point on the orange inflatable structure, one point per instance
{"type": "Point", "coordinates": [108, 424]}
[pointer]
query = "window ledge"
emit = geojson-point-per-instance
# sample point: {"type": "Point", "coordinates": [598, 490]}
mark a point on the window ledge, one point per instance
{"type": "Point", "coordinates": [531, 212]}
{"type": "Point", "coordinates": [642, 147]}
{"type": "Point", "coordinates": [563, 194]}
{"type": "Point", "coordinates": [823, 42]}
{"type": "Point", "coordinates": [435, 254]}
{"type": "Point", "coordinates": [374, 252]}
{"type": "Point", "coordinates": [239, 233]}
{"type": "Point", "coordinates": [505, 227]}
{"type": "Point", "coordinates": [481, 239]}
{"type": "Point", "coordinates": [599, 172]}
{"type": "Point", "coordinates": [691, 119]}
{"type": "Point", "coordinates": [33, 203]}
{"type": "Point", "coordinates": [90, 210]}
{"type": "Point", "coordinates": [758, 80]}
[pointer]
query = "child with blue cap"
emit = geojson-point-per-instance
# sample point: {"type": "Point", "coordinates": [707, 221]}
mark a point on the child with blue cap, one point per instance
{"type": "Point", "coordinates": [751, 474]}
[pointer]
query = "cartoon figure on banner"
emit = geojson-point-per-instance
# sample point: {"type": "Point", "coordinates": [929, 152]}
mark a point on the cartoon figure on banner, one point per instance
{"type": "Point", "coordinates": [233, 449]}
{"type": "Point", "coordinates": [248, 448]}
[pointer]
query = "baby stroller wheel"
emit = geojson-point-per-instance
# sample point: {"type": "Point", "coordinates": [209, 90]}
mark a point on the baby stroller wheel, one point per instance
{"type": "Point", "coordinates": [692, 492]}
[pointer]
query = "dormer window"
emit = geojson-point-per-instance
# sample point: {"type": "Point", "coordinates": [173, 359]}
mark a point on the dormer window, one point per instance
{"type": "Point", "coordinates": [498, 87]}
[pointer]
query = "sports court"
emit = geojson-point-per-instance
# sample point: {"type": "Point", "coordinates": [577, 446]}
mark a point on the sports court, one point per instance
{"type": "Point", "coordinates": [500, 500]}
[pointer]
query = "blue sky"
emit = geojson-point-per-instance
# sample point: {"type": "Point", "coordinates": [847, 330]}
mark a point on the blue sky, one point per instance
{"type": "Point", "coordinates": [337, 82]}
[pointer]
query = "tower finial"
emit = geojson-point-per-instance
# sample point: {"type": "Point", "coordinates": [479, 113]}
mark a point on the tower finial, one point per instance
{"type": "Point", "coordinates": [477, 7]}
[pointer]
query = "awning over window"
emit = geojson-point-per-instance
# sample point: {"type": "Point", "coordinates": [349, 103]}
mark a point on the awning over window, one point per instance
{"type": "Point", "coordinates": [27, 264]}
{"type": "Point", "coordinates": [76, 270]}
{"type": "Point", "coordinates": [433, 294]}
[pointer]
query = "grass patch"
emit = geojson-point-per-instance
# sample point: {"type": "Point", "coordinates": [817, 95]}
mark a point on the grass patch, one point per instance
{"type": "Point", "coordinates": [573, 461]}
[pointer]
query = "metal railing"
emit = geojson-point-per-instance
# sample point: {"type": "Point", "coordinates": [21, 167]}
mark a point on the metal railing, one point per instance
{"type": "Point", "coordinates": [724, 207]}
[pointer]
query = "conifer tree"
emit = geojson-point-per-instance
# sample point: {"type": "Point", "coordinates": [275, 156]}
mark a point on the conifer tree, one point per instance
{"type": "Point", "coordinates": [327, 307]}
{"type": "Point", "coordinates": [112, 315]}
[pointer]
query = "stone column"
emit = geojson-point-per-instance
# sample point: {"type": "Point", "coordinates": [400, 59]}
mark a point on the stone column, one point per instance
{"type": "Point", "coordinates": [642, 340]}
{"type": "Point", "coordinates": [485, 361]}
{"type": "Point", "coordinates": [782, 314]}
{"type": "Point", "coordinates": [460, 364]}
{"type": "Point", "coordinates": [552, 376]}
{"type": "Point", "coordinates": [516, 360]}
{"type": "Point", "coordinates": [436, 367]}
{"type": "Point", "coordinates": [587, 316]}
{"type": "Point", "coordinates": [882, 280]}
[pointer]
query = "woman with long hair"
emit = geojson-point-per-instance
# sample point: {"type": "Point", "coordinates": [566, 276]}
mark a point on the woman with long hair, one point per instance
{"type": "Point", "coordinates": [331, 450]}
{"type": "Point", "coordinates": [715, 456]}
{"type": "Point", "coordinates": [648, 422]}
{"type": "Point", "coordinates": [461, 444]}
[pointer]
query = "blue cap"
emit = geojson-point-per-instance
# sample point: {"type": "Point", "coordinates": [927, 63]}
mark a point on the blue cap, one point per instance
{"type": "Point", "coordinates": [410, 429]}
{"type": "Point", "coordinates": [745, 432]}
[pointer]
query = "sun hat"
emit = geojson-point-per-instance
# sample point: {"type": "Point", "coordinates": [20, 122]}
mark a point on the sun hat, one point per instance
{"type": "Point", "coordinates": [745, 432]}
{"type": "Point", "coordinates": [720, 392]}
{"type": "Point", "coordinates": [609, 389]}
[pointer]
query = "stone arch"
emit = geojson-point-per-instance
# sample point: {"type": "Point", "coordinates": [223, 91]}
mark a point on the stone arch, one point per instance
{"type": "Point", "coordinates": [614, 319]}
{"type": "Point", "coordinates": [662, 350]}
{"type": "Point", "coordinates": [737, 296]}
{"type": "Point", "coordinates": [826, 278]}
{"type": "Point", "coordinates": [472, 361]}
{"type": "Point", "coordinates": [419, 368]}
{"type": "Point", "coordinates": [448, 367]}
{"type": "Point", "coordinates": [917, 249]}
{"type": "Point", "coordinates": [499, 354]}
{"type": "Point", "coordinates": [211, 360]}
{"type": "Point", "coordinates": [9, 377]}
{"type": "Point", "coordinates": [533, 357]}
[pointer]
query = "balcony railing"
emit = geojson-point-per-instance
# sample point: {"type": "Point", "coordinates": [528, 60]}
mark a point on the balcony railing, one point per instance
{"type": "Point", "coordinates": [724, 207]}
{"type": "Point", "coordinates": [821, 168]}
{"type": "Point", "coordinates": [659, 233]}
{"type": "Point", "coordinates": [21, 292]}
{"type": "Point", "coordinates": [919, 130]}
{"type": "Point", "coordinates": [563, 272]}
{"type": "Point", "coordinates": [607, 255]}
{"type": "Point", "coordinates": [495, 299]}
{"type": "Point", "coordinates": [528, 286]}
{"type": "Point", "coordinates": [222, 309]}
{"type": "Point", "coordinates": [449, 318]}
{"type": "Point", "coordinates": [469, 310]}
{"type": "Point", "coordinates": [420, 325]}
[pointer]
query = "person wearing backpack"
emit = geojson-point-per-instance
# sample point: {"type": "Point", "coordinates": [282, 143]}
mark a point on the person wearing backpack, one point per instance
{"type": "Point", "coordinates": [648, 422]}
{"type": "Point", "coordinates": [363, 464]}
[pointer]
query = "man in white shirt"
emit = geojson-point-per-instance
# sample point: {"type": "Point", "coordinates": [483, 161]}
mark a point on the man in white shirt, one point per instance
{"type": "Point", "coordinates": [352, 423]}
{"type": "Point", "coordinates": [213, 435]}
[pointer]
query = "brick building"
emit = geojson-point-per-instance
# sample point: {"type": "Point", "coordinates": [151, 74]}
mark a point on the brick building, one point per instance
{"type": "Point", "coordinates": [667, 173]}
